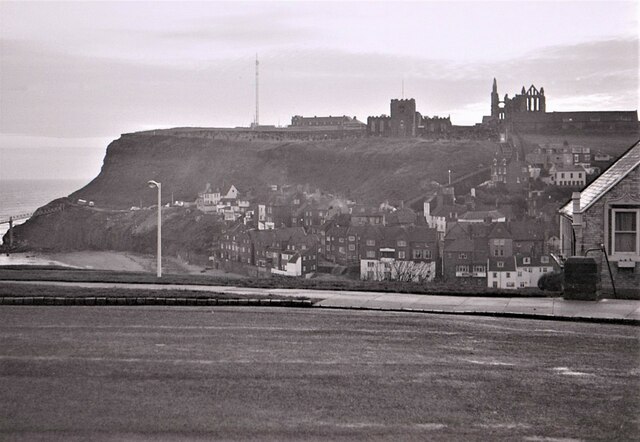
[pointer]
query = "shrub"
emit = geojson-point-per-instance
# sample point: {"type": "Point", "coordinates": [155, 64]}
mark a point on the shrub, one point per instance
{"type": "Point", "coordinates": [551, 281]}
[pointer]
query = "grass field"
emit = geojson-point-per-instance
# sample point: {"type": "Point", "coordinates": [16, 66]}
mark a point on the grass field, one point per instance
{"type": "Point", "coordinates": [264, 374]}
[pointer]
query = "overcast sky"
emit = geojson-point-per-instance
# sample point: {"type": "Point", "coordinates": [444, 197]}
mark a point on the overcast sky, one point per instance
{"type": "Point", "coordinates": [74, 76]}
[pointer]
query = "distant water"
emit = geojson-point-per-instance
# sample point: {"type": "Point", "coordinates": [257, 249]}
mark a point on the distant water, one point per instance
{"type": "Point", "coordinates": [25, 196]}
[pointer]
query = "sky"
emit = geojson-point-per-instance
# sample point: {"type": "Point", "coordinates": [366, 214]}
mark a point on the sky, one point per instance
{"type": "Point", "coordinates": [76, 75]}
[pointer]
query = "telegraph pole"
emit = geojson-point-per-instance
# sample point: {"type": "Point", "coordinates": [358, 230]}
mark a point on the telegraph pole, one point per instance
{"type": "Point", "coordinates": [257, 122]}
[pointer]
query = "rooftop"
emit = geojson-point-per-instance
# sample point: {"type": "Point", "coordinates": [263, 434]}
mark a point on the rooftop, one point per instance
{"type": "Point", "coordinates": [607, 179]}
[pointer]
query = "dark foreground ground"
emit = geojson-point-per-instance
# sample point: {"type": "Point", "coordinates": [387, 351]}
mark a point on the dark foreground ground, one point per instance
{"type": "Point", "coordinates": [162, 373]}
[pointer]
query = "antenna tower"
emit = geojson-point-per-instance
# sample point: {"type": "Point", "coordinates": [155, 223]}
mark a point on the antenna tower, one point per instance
{"type": "Point", "coordinates": [257, 120]}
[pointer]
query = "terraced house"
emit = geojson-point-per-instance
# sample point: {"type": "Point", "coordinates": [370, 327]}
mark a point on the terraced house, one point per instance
{"type": "Point", "coordinates": [402, 253]}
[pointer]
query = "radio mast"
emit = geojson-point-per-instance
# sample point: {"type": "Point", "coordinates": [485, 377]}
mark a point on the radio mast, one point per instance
{"type": "Point", "coordinates": [257, 119]}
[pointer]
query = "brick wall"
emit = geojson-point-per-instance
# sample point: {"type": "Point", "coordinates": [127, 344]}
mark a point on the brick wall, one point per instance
{"type": "Point", "coordinates": [627, 281]}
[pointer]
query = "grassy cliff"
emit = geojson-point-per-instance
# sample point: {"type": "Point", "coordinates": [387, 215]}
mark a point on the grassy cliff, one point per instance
{"type": "Point", "coordinates": [365, 169]}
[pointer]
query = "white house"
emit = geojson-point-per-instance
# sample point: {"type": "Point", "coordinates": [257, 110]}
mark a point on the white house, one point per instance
{"type": "Point", "coordinates": [501, 273]}
{"type": "Point", "coordinates": [574, 176]}
{"type": "Point", "coordinates": [296, 263]}
{"type": "Point", "coordinates": [208, 200]}
{"type": "Point", "coordinates": [530, 269]}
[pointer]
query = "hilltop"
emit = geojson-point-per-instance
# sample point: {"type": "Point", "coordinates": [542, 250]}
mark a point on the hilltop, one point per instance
{"type": "Point", "coordinates": [366, 169]}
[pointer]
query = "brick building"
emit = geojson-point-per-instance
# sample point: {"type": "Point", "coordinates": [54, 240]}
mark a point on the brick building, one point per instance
{"type": "Point", "coordinates": [607, 212]}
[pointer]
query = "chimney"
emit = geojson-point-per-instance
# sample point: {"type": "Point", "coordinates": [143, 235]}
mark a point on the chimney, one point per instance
{"type": "Point", "coordinates": [577, 216]}
{"type": "Point", "coordinates": [578, 246]}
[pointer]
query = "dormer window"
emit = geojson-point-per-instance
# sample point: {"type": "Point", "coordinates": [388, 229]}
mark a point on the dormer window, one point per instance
{"type": "Point", "coordinates": [500, 264]}
{"type": "Point", "coordinates": [526, 261]}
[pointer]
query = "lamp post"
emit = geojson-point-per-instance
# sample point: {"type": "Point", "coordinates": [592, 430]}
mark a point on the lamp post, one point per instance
{"type": "Point", "coordinates": [153, 184]}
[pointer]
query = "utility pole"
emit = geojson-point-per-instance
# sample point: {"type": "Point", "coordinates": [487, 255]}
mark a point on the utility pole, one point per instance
{"type": "Point", "coordinates": [257, 121]}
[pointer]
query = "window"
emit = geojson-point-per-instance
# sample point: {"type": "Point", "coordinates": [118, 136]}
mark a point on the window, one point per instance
{"type": "Point", "coordinates": [479, 269]}
{"type": "Point", "coordinates": [500, 264]}
{"type": "Point", "coordinates": [341, 249]}
{"type": "Point", "coordinates": [462, 269]}
{"type": "Point", "coordinates": [402, 243]}
{"type": "Point", "coordinates": [625, 231]}
{"type": "Point", "coordinates": [495, 274]}
{"type": "Point", "coordinates": [417, 254]}
{"type": "Point", "coordinates": [462, 256]}
{"type": "Point", "coordinates": [352, 238]}
{"type": "Point", "coordinates": [370, 264]}
{"type": "Point", "coordinates": [341, 240]}
{"type": "Point", "coordinates": [526, 260]}
{"type": "Point", "coordinates": [426, 254]}
{"type": "Point", "coordinates": [401, 254]}
{"type": "Point", "coordinates": [371, 242]}
{"type": "Point", "coordinates": [352, 247]}
{"type": "Point", "coordinates": [522, 284]}
{"type": "Point", "coordinates": [519, 273]}
{"type": "Point", "coordinates": [371, 254]}
{"type": "Point", "coordinates": [508, 274]}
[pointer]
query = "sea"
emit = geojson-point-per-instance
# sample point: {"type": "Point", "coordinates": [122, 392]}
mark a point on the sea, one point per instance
{"type": "Point", "coordinates": [25, 196]}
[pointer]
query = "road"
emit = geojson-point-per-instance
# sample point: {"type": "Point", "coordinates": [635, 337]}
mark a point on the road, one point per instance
{"type": "Point", "coordinates": [161, 373]}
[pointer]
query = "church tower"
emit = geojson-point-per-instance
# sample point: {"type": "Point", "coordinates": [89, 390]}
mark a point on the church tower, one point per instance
{"type": "Point", "coordinates": [495, 101]}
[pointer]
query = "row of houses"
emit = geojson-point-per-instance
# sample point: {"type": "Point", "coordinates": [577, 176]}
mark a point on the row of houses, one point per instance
{"type": "Point", "coordinates": [287, 251]}
{"type": "Point", "coordinates": [554, 165]}
{"type": "Point", "coordinates": [481, 253]}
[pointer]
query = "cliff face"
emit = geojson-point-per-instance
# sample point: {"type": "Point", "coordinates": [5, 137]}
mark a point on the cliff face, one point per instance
{"type": "Point", "coordinates": [365, 169]}
{"type": "Point", "coordinates": [185, 232]}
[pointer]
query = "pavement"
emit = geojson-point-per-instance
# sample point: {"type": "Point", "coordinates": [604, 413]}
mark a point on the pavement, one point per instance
{"type": "Point", "coordinates": [604, 310]}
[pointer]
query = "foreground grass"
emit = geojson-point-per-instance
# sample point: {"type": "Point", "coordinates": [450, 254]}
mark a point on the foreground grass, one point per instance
{"type": "Point", "coordinates": [37, 290]}
{"type": "Point", "coordinates": [33, 273]}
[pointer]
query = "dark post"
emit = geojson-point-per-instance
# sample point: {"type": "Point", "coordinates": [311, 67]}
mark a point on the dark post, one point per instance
{"type": "Point", "coordinates": [10, 232]}
{"type": "Point", "coordinates": [580, 278]}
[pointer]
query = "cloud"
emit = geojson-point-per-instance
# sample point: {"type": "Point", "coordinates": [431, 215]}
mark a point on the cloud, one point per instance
{"type": "Point", "coordinates": [246, 29]}
{"type": "Point", "coordinates": [47, 92]}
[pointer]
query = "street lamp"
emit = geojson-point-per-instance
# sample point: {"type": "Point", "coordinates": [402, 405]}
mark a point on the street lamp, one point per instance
{"type": "Point", "coordinates": [153, 184]}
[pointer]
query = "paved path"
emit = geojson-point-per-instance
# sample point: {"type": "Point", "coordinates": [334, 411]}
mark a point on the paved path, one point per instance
{"type": "Point", "coordinates": [606, 309]}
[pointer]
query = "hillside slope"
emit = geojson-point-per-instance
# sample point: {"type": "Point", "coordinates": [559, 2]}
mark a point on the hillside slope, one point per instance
{"type": "Point", "coordinates": [365, 169]}
{"type": "Point", "coordinates": [185, 232]}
